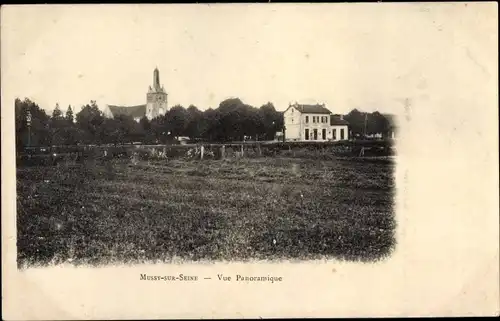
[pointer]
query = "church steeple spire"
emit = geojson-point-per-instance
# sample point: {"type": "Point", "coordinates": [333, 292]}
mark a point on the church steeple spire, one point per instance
{"type": "Point", "coordinates": [156, 79]}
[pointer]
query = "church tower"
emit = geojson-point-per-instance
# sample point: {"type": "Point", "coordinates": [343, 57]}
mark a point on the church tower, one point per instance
{"type": "Point", "coordinates": [156, 98]}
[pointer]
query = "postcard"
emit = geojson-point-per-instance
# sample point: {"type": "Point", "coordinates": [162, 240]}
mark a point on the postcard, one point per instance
{"type": "Point", "coordinates": [249, 160]}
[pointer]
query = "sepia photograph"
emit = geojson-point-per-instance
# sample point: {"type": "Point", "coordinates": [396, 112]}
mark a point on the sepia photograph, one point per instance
{"type": "Point", "coordinates": [336, 153]}
{"type": "Point", "coordinates": [157, 163]}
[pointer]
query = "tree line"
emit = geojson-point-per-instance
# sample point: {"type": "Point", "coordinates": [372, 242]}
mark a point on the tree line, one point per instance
{"type": "Point", "coordinates": [232, 120]}
{"type": "Point", "coordinates": [362, 123]}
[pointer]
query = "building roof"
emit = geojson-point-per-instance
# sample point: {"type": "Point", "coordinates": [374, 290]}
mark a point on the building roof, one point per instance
{"type": "Point", "coordinates": [312, 109]}
{"type": "Point", "coordinates": [337, 120]}
{"type": "Point", "coordinates": [133, 111]}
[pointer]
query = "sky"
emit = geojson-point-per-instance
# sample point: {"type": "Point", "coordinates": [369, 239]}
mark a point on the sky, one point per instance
{"type": "Point", "coordinates": [365, 56]}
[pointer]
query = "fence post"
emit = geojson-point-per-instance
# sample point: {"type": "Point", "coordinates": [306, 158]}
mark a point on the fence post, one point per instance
{"type": "Point", "coordinates": [241, 150]}
{"type": "Point", "coordinates": [223, 151]}
{"type": "Point", "coordinates": [260, 151]}
{"type": "Point", "coordinates": [201, 151]}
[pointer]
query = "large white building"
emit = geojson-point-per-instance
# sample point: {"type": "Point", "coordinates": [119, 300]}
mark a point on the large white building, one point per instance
{"type": "Point", "coordinates": [314, 123]}
{"type": "Point", "coordinates": [156, 103]}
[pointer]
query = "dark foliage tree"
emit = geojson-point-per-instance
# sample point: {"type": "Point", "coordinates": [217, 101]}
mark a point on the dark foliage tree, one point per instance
{"type": "Point", "coordinates": [377, 124]}
{"type": "Point", "coordinates": [58, 127]}
{"type": "Point", "coordinates": [121, 130]}
{"type": "Point", "coordinates": [211, 124]}
{"type": "Point", "coordinates": [158, 131]}
{"type": "Point", "coordinates": [69, 115]}
{"type": "Point", "coordinates": [31, 123]}
{"type": "Point", "coordinates": [362, 123]}
{"type": "Point", "coordinates": [176, 120]}
{"type": "Point", "coordinates": [90, 120]}
{"type": "Point", "coordinates": [356, 121]}
{"type": "Point", "coordinates": [147, 135]}
{"type": "Point", "coordinates": [272, 121]}
{"type": "Point", "coordinates": [194, 122]}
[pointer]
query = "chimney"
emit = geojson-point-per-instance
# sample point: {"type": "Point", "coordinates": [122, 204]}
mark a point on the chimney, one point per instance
{"type": "Point", "coordinates": [341, 117]}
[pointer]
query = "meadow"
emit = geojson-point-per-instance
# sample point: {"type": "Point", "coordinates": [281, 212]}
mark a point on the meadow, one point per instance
{"type": "Point", "coordinates": [114, 211]}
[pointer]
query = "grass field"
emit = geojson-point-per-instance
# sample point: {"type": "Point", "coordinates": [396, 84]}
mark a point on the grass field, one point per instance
{"type": "Point", "coordinates": [238, 209]}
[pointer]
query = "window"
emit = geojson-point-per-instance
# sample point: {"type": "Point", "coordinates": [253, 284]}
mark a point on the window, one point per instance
{"type": "Point", "coordinates": [334, 134]}
{"type": "Point", "coordinates": [307, 119]}
{"type": "Point", "coordinates": [342, 133]}
{"type": "Point", "coordinates": [314, 119]}
{"type": "Point", "coordinates": [307, 134]}
{"type": "Point", "coordinates": [323, 133]}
